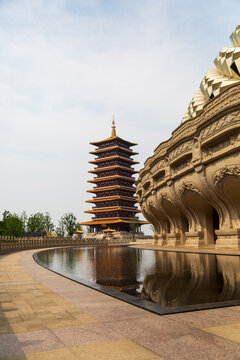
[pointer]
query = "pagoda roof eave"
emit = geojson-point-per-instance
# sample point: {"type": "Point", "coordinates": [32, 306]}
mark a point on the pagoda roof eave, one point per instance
{"type": "Point", "coordinates": [112, 221]}
{"type": "Point", "coordinates": [113, 138]}
{"type": "Point", "coordinates": [108, 158]}
{"type": "Point", "coordinates": [112, 148]}
{"type": "Point", "coordinates": [111, 177]}
{"type": "Point", "coordinates": [112, 167]}
{"type": "Point", "coordinates": [110, 198]}
{"type": "Point", "coordinates": [112, 209]}
{"type": "Point", "coordinates": [111, 187]}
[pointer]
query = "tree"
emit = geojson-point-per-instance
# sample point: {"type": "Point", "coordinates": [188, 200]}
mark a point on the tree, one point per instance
{"type": "Point", "coordinates": [24, 220]}
{"type": "Point", "coordinates": [49, 226]}
{"type": "Point", "coordinates": [11, 225]}
{"type": "Point", "coordinates": [40, 223]}
{"type": "Point", "coordinates": [60, 230]}
{"type": "Point", "coordinates": [134, 228]}
{"type": "Point", "coordinates": [70, 223]}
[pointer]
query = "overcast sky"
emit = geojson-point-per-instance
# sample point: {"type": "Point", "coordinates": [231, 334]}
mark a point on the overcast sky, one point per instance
{"type": "Point", "coordinates": [66, 66]}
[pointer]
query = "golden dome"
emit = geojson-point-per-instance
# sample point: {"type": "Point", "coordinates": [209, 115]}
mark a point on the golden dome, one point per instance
{"type": "Point", "coordinates": [225, 74]}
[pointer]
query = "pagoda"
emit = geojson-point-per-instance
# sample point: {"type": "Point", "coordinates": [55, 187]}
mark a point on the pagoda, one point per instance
{"type": "Point", "coordinates": [114, 189]}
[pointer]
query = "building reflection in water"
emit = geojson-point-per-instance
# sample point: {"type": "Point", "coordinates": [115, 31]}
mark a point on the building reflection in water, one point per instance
{"type": "Point", "coordinates": [168, 278]}
{"type": "Point", "coordinates": [116, 267]}
{"type": "Point", "coordinates": [186, 279]}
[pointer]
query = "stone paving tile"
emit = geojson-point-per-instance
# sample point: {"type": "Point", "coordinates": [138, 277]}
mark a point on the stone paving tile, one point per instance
{"type": "Point", "coordinates": [60, 354]}
{"type": "Point", "coordinates": [10, 268]}
{"type": "Point", "coordinates": [230, 331]}
{"type": "Point", "coordinates": [88, 334]}
{"type": "Point", "coordinates": [194, 346]}
{"type": "Point", "coordinates": [34, 307]}
{"type": "Point", "coordinates": [220, 316]}
{"type": "Point", "coordinates": [174, 340]}
{"type": "Point", "coordinates": [116, 350]}
{"type": "Point", "coordinates": [106, 312]}
{"type": "Point", "coordinates": [195, 319]}
{"type": "Point", "coordinates": [18, 283]}
{"type": "Point", "coordinates": [14, 277]}
{"type": "Point", "coordinates": [28, 342]}
{"type": "Point", "coordinates": [10, 259]}
{"type": "Point", "coordinates": [148, 326]}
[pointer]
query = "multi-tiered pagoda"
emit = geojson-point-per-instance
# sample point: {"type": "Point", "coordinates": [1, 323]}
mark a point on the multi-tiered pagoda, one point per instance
{"type": "Point", "coordinates": [114, 185]}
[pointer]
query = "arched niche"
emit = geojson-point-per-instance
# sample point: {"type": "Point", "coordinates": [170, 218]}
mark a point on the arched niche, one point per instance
{"type": "Point", "coordinates": [163, 223]}
{"type": "Point", "coordinates": [204, 214]}
{"type": "Point", "coordinates": [179, 221]}
{"type": "Point", "coordinates": [230, 189]}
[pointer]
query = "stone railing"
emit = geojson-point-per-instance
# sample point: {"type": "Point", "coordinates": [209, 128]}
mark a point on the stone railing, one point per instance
{"type": "Point", "coordinates": [10, 244]}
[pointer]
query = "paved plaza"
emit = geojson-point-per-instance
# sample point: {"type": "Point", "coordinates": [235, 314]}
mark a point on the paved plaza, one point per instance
{"type": "Point", "coordinates": [44, 316]}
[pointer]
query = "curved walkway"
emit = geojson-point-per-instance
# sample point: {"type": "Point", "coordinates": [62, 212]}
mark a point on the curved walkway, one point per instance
{"type": "Point", "coordinates": [44, 316]}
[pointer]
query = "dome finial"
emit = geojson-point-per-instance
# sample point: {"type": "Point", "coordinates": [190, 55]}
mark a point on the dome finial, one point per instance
{"type": "Point", "coordinates": [113, 128]}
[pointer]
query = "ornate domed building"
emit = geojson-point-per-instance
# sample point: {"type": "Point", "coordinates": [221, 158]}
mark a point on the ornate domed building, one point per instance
{"type": "Point", "coordinates": [190, 188]}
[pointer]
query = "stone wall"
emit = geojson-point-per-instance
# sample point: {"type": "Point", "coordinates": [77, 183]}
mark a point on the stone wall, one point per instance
{"type": "Point", "coordinates": [8, 244]}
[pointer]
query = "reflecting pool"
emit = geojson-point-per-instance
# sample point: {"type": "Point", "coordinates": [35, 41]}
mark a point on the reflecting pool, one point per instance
{"type": "Point", "coordinates": [170, 279]}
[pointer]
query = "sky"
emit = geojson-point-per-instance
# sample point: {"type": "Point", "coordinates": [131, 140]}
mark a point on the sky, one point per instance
{"type": "Point", "coordinates": [68, 66]}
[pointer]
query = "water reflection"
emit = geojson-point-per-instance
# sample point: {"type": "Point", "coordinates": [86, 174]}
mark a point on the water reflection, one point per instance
{"type": "Point", "coordinates": [169, 279]}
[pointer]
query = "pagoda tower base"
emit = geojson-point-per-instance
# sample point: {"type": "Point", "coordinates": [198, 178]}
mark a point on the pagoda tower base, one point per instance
{"type": "Point", "coordinates": [116, 237]}
{"type": "Point", "coordinates": [123, 235]}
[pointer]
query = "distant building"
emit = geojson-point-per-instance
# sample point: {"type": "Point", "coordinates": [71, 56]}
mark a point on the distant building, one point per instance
{"type": "Point", "coordinates": [34, 234]}
{"type": "Point", "coordinates": [114, 191]}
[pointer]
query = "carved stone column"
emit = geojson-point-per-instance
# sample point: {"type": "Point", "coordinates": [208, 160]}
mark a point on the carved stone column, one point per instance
{"type": "Point", "coordinates": [228, 239]}
{"type": "Point", "coordinates": [173, 240]}
{"type": "Point", "coordinates": [194, 239]}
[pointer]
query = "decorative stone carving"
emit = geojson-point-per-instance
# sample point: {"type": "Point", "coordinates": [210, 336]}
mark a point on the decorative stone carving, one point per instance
{"type": "Point", "coordinates": [164, 196]}
{"type": "Point", "coordinates": [196, 150]}
{"type": "Point", "coordinates": [220, 124]}
{"type": "Point", "coordinates": [233, 170]}
{"type": "Point", "coordinates": [180, 150]}
{"type": "Point", "coordinates": [167, 168]}
{"type": "Point", "coordinates": [187, 186]}
{"type": "Point", "coordinates": [156, 167]}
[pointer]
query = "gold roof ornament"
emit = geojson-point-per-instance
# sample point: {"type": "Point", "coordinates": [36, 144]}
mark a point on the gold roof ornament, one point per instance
{"type": "Point", "coordinates": [108, 230]}
{"type": "Point", "coordinates": [225, 74]}
{"type": "Point", "coordinates": [113, 129]}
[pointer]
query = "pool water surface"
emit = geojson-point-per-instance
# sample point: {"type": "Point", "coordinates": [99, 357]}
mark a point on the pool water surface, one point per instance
{"type": "Point", "coordinates": [162, 282]}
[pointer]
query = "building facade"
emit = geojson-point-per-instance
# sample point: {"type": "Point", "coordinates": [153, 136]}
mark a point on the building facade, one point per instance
{"type": "Point", "coordinates": [190, 188]}
{"type": "Point", "coordinates": [114, 189]}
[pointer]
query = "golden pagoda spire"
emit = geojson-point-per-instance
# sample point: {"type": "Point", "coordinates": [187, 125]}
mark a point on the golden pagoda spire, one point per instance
{"type": "Point", "coordinates": [113, 128]}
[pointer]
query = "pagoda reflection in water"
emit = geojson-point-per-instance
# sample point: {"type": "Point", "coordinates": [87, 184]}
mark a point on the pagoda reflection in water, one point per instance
{"type": "Point", "coordinates": [167, 278]}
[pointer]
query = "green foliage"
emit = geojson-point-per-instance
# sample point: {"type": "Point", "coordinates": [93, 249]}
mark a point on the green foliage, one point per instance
{"type": "Point", "coordinates": [60, 230]}
{"type": "Point", "coordinates": [70, 223]}
{"type": "Point", "coordinates": [134, 227]}
{"type": "Point", "coordinates": [40, 223]}
{"type": "Point", "coordinates": [15, 225]}
{"type": "Point", "coordinates": [11, 224]}
{"type": "Point", "coordinates": [24, 220]}
{"type": "Point", "coordinates": [49, 227]}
